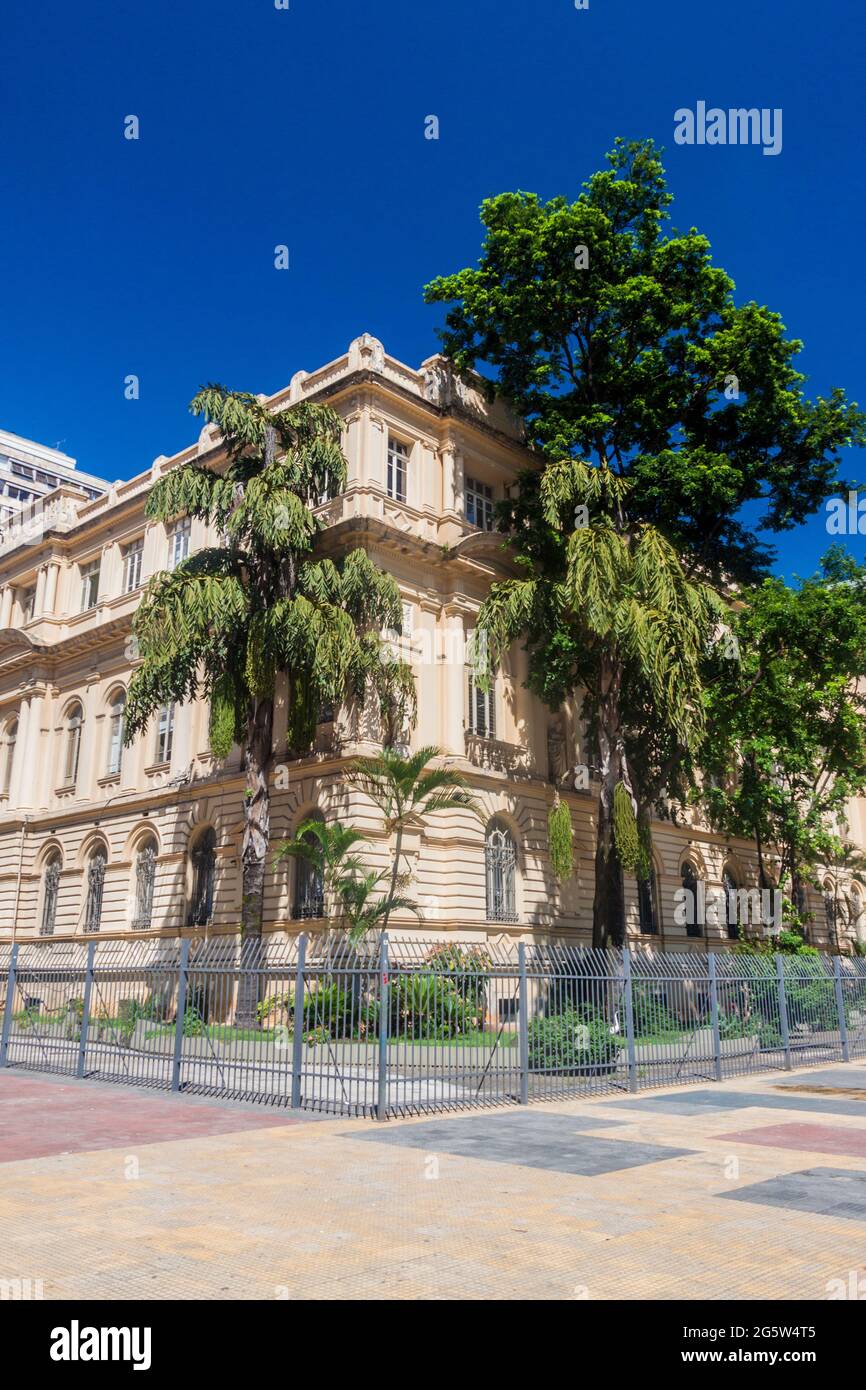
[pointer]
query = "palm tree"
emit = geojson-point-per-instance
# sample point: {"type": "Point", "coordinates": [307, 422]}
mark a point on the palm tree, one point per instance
{"type": "Point", "coordinates": [348, 889]}
{"type": "Point", "coordinates": [407, 789]}
{"type": "Point", "coordinates": [361, 911]}
{"type": "Point", "coordinates": [230, 619]}
{"type": "Point", "coordinates": [329, 849]}
{"type": "Point", "coordinates": [609, 612]}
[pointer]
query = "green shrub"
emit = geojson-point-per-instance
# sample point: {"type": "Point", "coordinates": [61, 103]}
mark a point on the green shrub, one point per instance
{"type": "Point", "coordinates": [193, 1023]}
{"type": "Point", "coordinates": [769, 1035]}
{"type": "Point", "coordinates": [651, 1014]}
{"type": "Point", "coordinates": [431, 1006]}
{"type": "Point", "coordinates": [465, 967]}
{"type": "Point", "coordinates": [569, 1040]}
{"type": "Point", "coordinates": [328, 1009]}
{"type": "Point", "coordinates": [733, 1026]}
{"type": "Point", "coordinates": [316, 1036]}
{"type": "Point", "coordinates": [812, 1002]}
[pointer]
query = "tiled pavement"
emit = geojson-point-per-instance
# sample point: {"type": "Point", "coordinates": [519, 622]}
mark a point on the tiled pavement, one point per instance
{"type": "Point", "coordinates": [749, 1189]}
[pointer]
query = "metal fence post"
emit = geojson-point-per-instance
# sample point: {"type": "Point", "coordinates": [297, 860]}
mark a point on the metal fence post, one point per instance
{"type": "Point", "coordinates": [629, 1017]}
{"type": "Point", "coordinates": [783, 1012]}
{"type": "Point", "coordinates": [10, 1004]}
{"type": "Point", "coordinates": [298, 1023]}
{"type": "Point", "coordinates": [714, 1014]}
{"type": "Point", "coordinates": [523, 1025]}
{"type": "Point", "coordinates": [85, 1010]}
{"type": "Point", "coordinates": [182, 985]}
{"type": "Point", "coordinates": [840, 1005]}
{"type": "Point", "coordinates": [382, 1098]}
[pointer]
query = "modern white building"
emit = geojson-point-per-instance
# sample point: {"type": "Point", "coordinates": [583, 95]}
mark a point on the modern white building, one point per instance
{"type": "Point", "coordinates": [30, 471]}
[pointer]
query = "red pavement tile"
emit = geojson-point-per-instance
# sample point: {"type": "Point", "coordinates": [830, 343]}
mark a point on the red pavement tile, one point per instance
{"type": "Point", "coordinates": [825, 1139]}
{"type": "Point", "coordinates": [38, 1118]}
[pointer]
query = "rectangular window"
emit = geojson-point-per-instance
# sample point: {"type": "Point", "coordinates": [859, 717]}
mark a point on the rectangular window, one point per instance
{"type": "Point", "coordinates": [482, 708]}
{"type": "Point", "coordinates": [115, 739]}
{"type": "Point", "coordinates": [132, 558]}
{"type": "Point", "coordinates": [89, 585]}
{"type": "Point", "coordinates": [164, 734]}
{"type": "Point", "coordinates": [28, 605]}
{"type": "Point", "coordinates": [178, 543]}
{"type": "Point", "coordinates": [400, 644]}
{"type": "Point", "coordinates": [646, 901]}
{"type": "Point", "coordinates": [479, 504]}
{"type": "Point", "coordinates": [73, 749]}
{"type": "Point", "coordinates": [398, 464]}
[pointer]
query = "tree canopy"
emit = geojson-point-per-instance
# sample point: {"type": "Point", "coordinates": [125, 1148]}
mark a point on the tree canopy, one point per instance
{"type": "Point", "coordinates": [619, 342]}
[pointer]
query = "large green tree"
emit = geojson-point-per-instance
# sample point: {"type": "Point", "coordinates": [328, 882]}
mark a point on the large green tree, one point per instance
{"type": "Point", "coordinates": [266, 601]}
{"type": "Point", "coordinates": [610, 613]}
{"type": "Point", "coordinates": [619, 342]}
{"type": "Point", "coordinates": [789, 744]}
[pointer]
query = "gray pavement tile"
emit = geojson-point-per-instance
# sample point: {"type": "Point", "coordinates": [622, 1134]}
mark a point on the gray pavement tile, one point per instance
{"type": "Point", "coordinates": [836, 1192]}
{"type": "Point", "coordinates": [528, 1139]}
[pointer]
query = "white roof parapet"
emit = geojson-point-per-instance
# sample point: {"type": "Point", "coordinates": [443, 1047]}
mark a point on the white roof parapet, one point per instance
{"type": "Point", "coordinates": [58, 511]}
{"type": "Point", "coordinates": [435, 381]}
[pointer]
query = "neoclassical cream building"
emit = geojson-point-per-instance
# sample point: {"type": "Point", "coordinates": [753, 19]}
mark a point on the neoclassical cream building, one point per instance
{"type": "Point", "coordinates": [95, 837]}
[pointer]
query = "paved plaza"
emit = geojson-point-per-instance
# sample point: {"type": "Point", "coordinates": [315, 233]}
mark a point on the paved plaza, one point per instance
{"type": "Point", "coordinates": [747, 1189]}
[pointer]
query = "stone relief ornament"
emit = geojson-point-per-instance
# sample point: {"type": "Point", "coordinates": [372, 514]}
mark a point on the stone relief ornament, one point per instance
{"type": "Point", "coordinates": [557, 765]}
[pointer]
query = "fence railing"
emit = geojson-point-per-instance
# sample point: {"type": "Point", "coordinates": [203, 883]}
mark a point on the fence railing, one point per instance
{"type": "Point", "coordinates": [400, 1027]}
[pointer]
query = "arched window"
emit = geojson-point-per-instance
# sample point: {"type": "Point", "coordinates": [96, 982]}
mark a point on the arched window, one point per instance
{"type": "Point", "coordinates": [694, 910]}
{"type": "Point", "coordinates": [74, 722]}
{"type": "Point", "coordinates": [500, 857]}
{"type": "Point", "coordinates": [831, 913]}
{"type": "Point", "coordinates": [309, 887]}
{"type": "Point", "coordinates": [9, 741]}
{"type": "Point", "coordinates": [647, 903]}
{"type": "Point", "coordinates": [203, 858]}
{"type": "Point", "coordinates": [95, 889]}
{"type": "Point", "coordinates": [115, 733]}
{"type": "Point", "coordinates": [50, 889]}
{"type": "Point", "coordinates": [732, 904]}
{"type": "Point", "coordinates": [145, 877]}
{"type": "Point", "coordinates": [857, 921]}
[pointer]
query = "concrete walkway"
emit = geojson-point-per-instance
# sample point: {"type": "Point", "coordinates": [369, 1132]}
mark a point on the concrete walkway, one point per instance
{"type": "Point", "coordinates": [747, 1189]}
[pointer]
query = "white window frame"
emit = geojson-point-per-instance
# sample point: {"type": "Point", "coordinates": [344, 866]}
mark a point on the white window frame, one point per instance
{"type": "Point", "coordinates": [397, 470]}
{"type": "Point", "coordinates": [478, 497]}
{"type": "Point", "coordinates": [133, 558]}
{"type": "Point", "coordinates": [481, 720]}
{"type": "Point", "coordinates": [90, 575]}
{"type": "Point", "coordinates": [164, 733]}
{"type": "Point", "coordinates": [178, 542]}
{"type": "Point", "coordinates": [115, 735]}
{"type": "Point", "coordinates": [10, 741]}
{"type": "Point", "coordinates": [74, 730]}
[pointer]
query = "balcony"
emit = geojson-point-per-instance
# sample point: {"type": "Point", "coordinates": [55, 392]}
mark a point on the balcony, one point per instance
{"type": "Point", "coordinates": [493, 755]}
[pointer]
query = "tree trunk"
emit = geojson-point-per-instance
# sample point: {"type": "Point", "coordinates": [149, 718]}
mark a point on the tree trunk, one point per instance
{"type": "Point", "coordinates": [395, 873]}
{"type": "Point", "coordinates": [257, 832]}
{"type": "Point", "coordinates": [608, 908]}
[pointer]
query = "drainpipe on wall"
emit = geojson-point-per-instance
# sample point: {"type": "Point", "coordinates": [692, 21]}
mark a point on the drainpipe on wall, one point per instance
{"type": "Point", "coordinates": [25, 822]}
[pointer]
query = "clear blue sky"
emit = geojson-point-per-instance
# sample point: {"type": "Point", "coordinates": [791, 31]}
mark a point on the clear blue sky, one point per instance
{"type": "Point", "coordinates": [305, 127]}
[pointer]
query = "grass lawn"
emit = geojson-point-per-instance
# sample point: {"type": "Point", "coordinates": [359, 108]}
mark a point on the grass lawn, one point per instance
{"type": "Point", "coordinates": [223, 1032]}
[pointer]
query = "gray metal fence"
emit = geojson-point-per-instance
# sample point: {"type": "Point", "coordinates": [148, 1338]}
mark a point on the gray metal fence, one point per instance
{"type": "Point", "coordinates": [401, 1027]}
